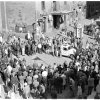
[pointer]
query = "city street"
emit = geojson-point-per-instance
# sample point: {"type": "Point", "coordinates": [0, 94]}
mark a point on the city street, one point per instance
{"type": "Point", "coordinates": [48, 59]}
{"type": "Point", "coordinates": [31, 31]}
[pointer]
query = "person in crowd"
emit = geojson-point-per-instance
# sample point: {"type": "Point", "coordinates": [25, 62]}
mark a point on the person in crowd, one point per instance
{"type": "Point", "coordinates": [98, 89]}
{"type": "Point", "coordinates": [26, 90]}
{"type": "Point", "coordinates": [41, 80]}
{"type": "Point", "coordinates": [90, 84]}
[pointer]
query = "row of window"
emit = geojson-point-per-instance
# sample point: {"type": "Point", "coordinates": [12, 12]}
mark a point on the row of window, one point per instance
{"type": "Point", "coordinates": [54, 5]}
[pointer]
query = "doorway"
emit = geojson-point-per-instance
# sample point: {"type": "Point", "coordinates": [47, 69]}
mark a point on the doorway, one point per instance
{"type": "Point", "coordinates": [56, 22]}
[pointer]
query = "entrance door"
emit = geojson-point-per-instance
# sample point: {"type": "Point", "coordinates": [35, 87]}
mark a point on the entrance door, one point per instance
{"type": "Point", "coordinates": [56, 21]}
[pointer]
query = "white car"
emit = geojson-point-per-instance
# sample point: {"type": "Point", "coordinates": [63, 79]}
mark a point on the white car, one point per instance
{"type": "Point", "coordinates": [67, 50]}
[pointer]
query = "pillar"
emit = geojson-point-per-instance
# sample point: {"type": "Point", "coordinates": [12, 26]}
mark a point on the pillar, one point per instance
{"type": "Point", "coordinates": [0, 19]}
{"type": "Point", "coordinates": [3, 16]}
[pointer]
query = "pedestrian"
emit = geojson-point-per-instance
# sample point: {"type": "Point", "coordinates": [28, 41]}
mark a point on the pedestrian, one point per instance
{"type": "Point", "coordinates": [64, 80]}
{"type": "Point", "coordinates": [15, 82]}
{"type": "Point", "coordinates": [54, 94]}
{"type": "Point", "coordinates": [79, 93]}
{"type": "Point", "coordinates": [42, 92]}
{"type": "Point", "coordinates": [25, 74]}
{"type": "Point", "coordinates": [12, 95]}
{"type": "Point", "coordinates": [9, 69]}
{"type": "Point", "coordinates": [58, 82]}
{"type": "Point", "coordinates": [98, 89]}
{"type": "Point", "coordinates": [26, 90]}
{"type": "Point", "coordinates": [39, 48]}
{"type": "Point", "coordinates": [23, 48]}
{"type": "Point", "coordinates": [72, 85]}
{"type": "Point", "coordinates": [29, 80]}
{"type": "Point", "coordinates": [90, 85]}
{"type": "Point", "coordinates": [21, 80]}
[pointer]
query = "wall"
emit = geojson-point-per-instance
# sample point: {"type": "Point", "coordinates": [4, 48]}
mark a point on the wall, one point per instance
{"type": "Point", "coordinates": [18, 12]}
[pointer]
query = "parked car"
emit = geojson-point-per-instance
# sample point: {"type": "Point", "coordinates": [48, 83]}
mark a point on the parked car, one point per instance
{"type": "Point", "coordinates": [68, 50]}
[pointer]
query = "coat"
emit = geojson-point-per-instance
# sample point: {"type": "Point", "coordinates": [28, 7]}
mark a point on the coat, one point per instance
{"type": "Point", "coordinates": [91, 82]}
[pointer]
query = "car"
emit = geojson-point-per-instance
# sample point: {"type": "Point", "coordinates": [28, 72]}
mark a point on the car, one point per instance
{"type": "Point", "coordinates": [68, 50]}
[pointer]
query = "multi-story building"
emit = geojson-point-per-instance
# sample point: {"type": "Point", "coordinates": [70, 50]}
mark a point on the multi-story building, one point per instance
{"type": "Point", "coordinates": [50, 14]}
{"type": "Point", "coordinates": [53, 13]}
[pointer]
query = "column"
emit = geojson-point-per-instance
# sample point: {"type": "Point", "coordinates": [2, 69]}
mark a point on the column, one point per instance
{"type": "Point", "coordinates": [0, 19]}
{"type": "Point", "coordinates": [3, 16]}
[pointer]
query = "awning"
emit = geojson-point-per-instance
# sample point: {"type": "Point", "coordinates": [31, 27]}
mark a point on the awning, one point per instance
{"type": "Point", "coordinates": [61, 12]}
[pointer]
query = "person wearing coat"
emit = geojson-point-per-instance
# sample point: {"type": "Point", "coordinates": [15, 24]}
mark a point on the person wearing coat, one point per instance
{"type": "Point", "coordinates": [79, 93]}
{"type": "Point", "coordinates": [98, 89]}
{"type": "Point", "coordinates": [58, 82]}
{"type": "Point", "coordinates": [90, 85]}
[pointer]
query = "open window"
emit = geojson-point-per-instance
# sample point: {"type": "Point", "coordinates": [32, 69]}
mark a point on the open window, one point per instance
{"type": "Point", "coordinates": [54, 6]}
{"type": "Point", "coordinates": [43, 5]}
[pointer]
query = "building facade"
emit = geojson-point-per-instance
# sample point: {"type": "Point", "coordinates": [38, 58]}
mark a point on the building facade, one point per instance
{"type": "Point", "coordinates": [52, 13]}
{"type": "Point", "coordinates": [16, 12]}
{"type": "Point", "coordinates": [49, 14]}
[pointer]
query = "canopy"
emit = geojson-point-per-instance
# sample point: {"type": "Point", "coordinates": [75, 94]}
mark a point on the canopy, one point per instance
{"type": "Point", "coordinates": [60, 12]}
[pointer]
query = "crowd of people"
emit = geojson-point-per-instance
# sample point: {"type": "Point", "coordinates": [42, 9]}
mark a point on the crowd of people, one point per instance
{"type": "Point", "coordinates": [81, 75]}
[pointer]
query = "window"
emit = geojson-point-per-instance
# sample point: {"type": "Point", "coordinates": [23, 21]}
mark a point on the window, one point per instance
{"type": "Point", "coordinates": [65, 2]}
{"type": "Point", "coordinates": [43, 5]}
{"type": "Point", "coordinates": [54, 6]}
